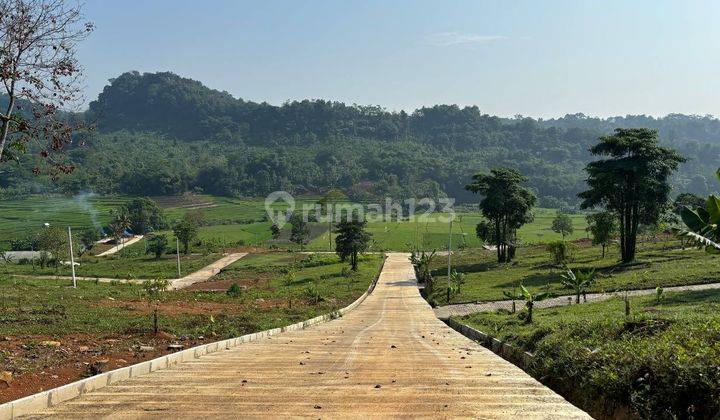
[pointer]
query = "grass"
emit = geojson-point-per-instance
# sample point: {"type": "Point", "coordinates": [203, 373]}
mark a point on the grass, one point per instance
{"type": "Point", "coordinates": [26, 301]}
{"type": "Point", "coordinates": [655, 266]}
{"type": "Point", "coordinates": [430, 234]}
{"type": "Point", "coordinates": [20, 217]}
{"type": "Point", "coordinates": [130, 263]}
{"type": "Point", "coordinates": [236, 220]}
{"type": "Point", "coordinates": [661, 362]}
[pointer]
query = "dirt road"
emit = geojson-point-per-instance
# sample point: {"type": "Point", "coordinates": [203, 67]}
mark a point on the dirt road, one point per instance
{"type": "Point", "coordinates": [388, 357]}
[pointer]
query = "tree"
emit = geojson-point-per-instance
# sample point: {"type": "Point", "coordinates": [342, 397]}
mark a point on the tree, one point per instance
{"type": "Point", "coordinates": [51, 243]}
{"type": "Point", "coordinates": [88, 238]}
{"type": "Point", "coordinates": [154, 290]}
{"type": "Point", "coordinates": [578, 281]}
{"type": "Point", "coordinates": [602, 226]}
{"type": "Point", "coordinates": [275, 231]}
{"type": "Point", "coordinates": [351, 239]}
{"type": "Point", "coordinates": [186, 230]}
{"type": "Point", "coordinates": [119, 224]}
{"type": "Point", "coordinates": [144, 215]}
{"type": "Point", "coordinates": [299, 232]}
{"type": "Point", "coordinates": [562, 224]}
{"type": "Point", "coordinates": [157, 245]}
{"type": "Point", "coordinates": [40, 73]}
{"type": "Point", "coordinates": [531, 299]}
{"type": "Point", "coordinates": [507, 206]}
{"type": "Point", "coordinates": [632, 181]}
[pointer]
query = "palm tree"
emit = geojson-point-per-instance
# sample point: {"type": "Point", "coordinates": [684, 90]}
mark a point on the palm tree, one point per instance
{"type": "Point", "coordinates": [119, 225]}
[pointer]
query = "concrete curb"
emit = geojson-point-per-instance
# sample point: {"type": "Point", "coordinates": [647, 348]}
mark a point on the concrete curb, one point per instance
{"type": "Point", "coordinates": [512, 354]}
{"type": "Point", "coordinates": [46, 399]}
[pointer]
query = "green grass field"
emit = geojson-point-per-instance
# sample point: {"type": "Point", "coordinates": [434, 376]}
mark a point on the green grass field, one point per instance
{"type": "Point", "coordinates": [119, 267]}
{"type": "Point", "coordinates": [18, 218]}
{"type": "Point", "coordinates": [656, 266]}
{"type": "Point", "coordinates": [234, 221]}
{"type": "Point", "coordinates": [660, 362]}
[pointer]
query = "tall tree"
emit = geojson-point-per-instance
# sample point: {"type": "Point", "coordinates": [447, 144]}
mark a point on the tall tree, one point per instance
{"type": "Point", "coordinates": [631, 181]}
{"type": "Point", "coordinates": [506, 204]}
{"type": "Point", "coordinates": [603, 227]}
{"type": "Point", "coordinates": [39, 70]}
{"type": "Point", "coordinates": [351, 239]}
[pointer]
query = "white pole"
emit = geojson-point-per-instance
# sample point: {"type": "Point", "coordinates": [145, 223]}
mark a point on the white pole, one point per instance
{"type": "Point", "coordinates": [177, 249]}
{"type": "Point", "coordinates": [449, 253]}
{"type": "Point", "coordinates": [72, 258]}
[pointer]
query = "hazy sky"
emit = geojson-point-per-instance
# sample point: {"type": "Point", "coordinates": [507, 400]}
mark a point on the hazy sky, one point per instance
{"type": "Point", "coordinates": [535, 58]}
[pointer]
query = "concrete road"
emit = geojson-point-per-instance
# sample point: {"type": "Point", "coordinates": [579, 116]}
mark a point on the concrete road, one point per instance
{"type": "Point", "coordinates": [390, 357]}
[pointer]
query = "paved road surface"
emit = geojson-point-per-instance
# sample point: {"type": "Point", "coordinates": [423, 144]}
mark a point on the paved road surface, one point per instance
{"type": "Point", "coordinates": [389, 357]}
{"type": "Point", "coordinates": [120, 246]}
{"type": "Point", "coordinates": [462, 309]}
{"type": "Point", "coordinates": [207, 272]}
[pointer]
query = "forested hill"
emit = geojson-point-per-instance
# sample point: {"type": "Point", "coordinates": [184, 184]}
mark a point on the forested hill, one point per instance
{"type": "Point", "coordinates": [159, 133]}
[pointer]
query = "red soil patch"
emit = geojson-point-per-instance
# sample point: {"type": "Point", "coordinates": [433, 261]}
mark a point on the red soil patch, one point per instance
{"type": "Point", "coordinates": [38, 368]}
{"type": "Point", "coordinates": [172, 307]}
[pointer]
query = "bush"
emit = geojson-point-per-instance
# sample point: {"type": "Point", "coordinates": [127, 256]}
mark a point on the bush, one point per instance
{"type": "Point", "coordinates": [561, 251]}
{"type": "Point", "coordinates": [312, 294]}
{"type": "Point", "coordinates": [234, 290]}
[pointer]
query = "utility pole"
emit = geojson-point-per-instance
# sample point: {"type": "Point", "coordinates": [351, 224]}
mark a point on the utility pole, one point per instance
{"type": "Point", "coordinates": [448, 263]}
{"type": "Point", "coordinates": [177, 251]}
{"type": "Point", "coordinates": [72, 258]}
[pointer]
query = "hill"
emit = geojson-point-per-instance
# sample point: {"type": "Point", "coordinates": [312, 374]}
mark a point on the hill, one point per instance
{"type": "Point", "coordinates": [158, 133]}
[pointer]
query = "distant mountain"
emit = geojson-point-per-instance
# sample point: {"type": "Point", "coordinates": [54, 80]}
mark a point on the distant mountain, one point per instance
{"type": "Point", "coordinates": [159, 133]}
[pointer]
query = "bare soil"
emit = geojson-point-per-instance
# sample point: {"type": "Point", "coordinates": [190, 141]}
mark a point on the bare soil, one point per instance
{"type": "Point", "coordinates": [37, 368]}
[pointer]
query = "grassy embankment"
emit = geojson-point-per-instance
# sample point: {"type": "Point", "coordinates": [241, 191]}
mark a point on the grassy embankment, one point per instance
{"type": "Point", "coordinates": [660, 362]}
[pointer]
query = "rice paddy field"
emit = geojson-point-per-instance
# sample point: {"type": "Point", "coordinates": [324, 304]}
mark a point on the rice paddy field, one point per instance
{"type": "Point", "coordinates": [235, 221]}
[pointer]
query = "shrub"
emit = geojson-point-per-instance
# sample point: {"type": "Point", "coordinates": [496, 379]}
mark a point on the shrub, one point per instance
{"type": "Point", "coordinates": [234, 290]}
{"type": "Point", "coordinates": [561, 251]}
{"type": "Point", "coordinates": [312, 294]}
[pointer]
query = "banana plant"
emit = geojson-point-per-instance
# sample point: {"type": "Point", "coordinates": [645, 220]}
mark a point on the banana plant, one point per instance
{"type": "Point", "coordinates": [531, 299]}
{"type": "Point", "coordinates": [703, 223]}
{"type": "Point", "coordinates": [578, 281]}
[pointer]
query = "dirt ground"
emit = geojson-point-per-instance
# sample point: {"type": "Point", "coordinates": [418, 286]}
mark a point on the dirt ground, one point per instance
{"type": "Point", "coordinates": [173, 307]}
{"type": "Point", "coordinates": [37, 367]}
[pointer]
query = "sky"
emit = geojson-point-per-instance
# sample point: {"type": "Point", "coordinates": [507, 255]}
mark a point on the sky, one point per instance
{"type": "Point", "coordinates": [533, 58]}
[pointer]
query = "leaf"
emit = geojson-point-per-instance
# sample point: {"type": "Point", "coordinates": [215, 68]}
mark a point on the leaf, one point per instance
{"type": "Point", "coordinates": [692, 219]}
{"type": "Point", "coordinates": [701, 239]}
{"type": "Point", "coordinates": [527, 295]}
{"type": "Point", "coordinates": [713, 209]}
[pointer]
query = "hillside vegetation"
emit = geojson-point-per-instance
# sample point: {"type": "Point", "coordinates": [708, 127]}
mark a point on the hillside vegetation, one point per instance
{"type": "Point", "coordinates": [160, 134]}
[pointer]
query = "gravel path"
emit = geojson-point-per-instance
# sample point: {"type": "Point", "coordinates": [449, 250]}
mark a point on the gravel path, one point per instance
{"type": "Point", "coordinates": [462, 309]}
